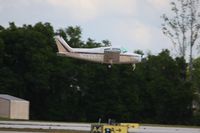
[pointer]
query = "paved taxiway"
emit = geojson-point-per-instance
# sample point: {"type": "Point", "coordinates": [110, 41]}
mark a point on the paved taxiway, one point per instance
{"type": "Point", "coordinates": [86, 127]}
{"type": "Point", "coordinates": [18, 132]}
{"type": "Point", "coordinates": [149, 129]}
{"type": "Point", "coordinates": [44, 125]}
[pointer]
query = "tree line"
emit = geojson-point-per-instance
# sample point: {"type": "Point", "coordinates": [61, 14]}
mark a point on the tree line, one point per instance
{"type": "Point", "coordinates": [66, 89]}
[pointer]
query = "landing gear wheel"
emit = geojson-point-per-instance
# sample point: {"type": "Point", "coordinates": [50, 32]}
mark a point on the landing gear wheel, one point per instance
{"type": "Point", "coordinates": [134, 66]}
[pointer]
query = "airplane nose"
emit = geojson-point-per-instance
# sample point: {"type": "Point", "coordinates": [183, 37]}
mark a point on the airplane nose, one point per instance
{"type": "Point", "coordinates": [136, 59]}
{"type": "Point", "coordinates": [144, 58]}
{"type": "Point", "coordinates": [139, 58]}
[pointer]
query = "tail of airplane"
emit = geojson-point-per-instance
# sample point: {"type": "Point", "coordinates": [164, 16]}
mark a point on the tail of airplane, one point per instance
{"type": "Point", "coordinates": [62, 45]}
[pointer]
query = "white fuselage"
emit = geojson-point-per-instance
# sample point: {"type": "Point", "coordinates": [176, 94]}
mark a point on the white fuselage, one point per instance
{"type": "Point", "coordinates": [108, 55]}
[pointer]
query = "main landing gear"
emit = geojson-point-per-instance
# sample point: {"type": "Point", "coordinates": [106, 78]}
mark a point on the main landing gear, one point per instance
{"type": "Point", "coordinates": [134, 66]}
{"type": "Point", "coordinates": [109, 66]}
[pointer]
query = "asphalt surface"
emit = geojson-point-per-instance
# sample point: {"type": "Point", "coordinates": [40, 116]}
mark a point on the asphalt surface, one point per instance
{"type": "Point", "coordinates": [86, 127]}
{"type": "Point", "coordinates": [18, 132]}
{"type": "Point", "coordinates": [149, 129]}
{"type": "Point", "coordinates": [44, 125]}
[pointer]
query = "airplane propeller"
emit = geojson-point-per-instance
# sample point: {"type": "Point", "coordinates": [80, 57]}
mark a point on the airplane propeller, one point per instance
{"type": "Point", "coordinates": [144, 58]}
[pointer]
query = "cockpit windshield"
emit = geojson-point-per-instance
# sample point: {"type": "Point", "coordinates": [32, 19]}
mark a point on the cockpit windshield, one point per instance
{"type": "Point", "coordinates": [123, 50]}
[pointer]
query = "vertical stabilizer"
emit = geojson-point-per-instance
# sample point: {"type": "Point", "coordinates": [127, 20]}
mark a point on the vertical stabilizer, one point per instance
{"type": "Point", "coordinates": [62, 45]}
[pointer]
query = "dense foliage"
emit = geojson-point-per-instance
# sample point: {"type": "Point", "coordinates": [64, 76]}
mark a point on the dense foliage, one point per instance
{"type": "Point", "coordinates": [65, 89]}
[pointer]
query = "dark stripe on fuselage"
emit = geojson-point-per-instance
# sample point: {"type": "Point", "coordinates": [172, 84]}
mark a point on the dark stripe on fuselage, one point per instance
{"type": "Point", "coordinates": [102, 54]}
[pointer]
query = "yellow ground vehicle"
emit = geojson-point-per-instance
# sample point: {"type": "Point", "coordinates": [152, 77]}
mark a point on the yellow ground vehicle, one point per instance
{"type": "Point", "coordinates": [116, 128]}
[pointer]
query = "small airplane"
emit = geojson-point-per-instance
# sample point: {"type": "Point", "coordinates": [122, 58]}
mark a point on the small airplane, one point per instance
{"type": "Point", "coordinates": [106, 55]}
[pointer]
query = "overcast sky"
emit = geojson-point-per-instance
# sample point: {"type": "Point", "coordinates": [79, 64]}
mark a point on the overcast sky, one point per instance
{"type": "Point", "coordinates": [134, 24]}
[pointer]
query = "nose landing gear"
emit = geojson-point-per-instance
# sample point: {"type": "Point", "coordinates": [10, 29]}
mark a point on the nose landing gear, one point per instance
{"type": "Point", "coordinates": [134, 66]}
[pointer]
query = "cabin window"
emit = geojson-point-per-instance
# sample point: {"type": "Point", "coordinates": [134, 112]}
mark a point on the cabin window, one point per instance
{"type": "Point", "coordinates": [107, 49]}
{"type": "Point", "coordinates": [117, 50]}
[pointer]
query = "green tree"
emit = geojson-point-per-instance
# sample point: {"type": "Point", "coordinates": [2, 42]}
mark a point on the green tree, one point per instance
{"type": "Point", "coordinates": [196, 81]}
{"type": "Point", "coordinates": [164, 92]}
{"type": "Point", "coordinates": [184, 27]}
{"type": "Point", "coordinates": [73, 36]}
{"type": "Point", "coordinates": [92, 44]}
{"type": "Point", "coordinates": [67, 89]}
{"type": "Point", "coordinates": [106, 43]}
{"type": "Point", "coordinates": [26, 60]}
